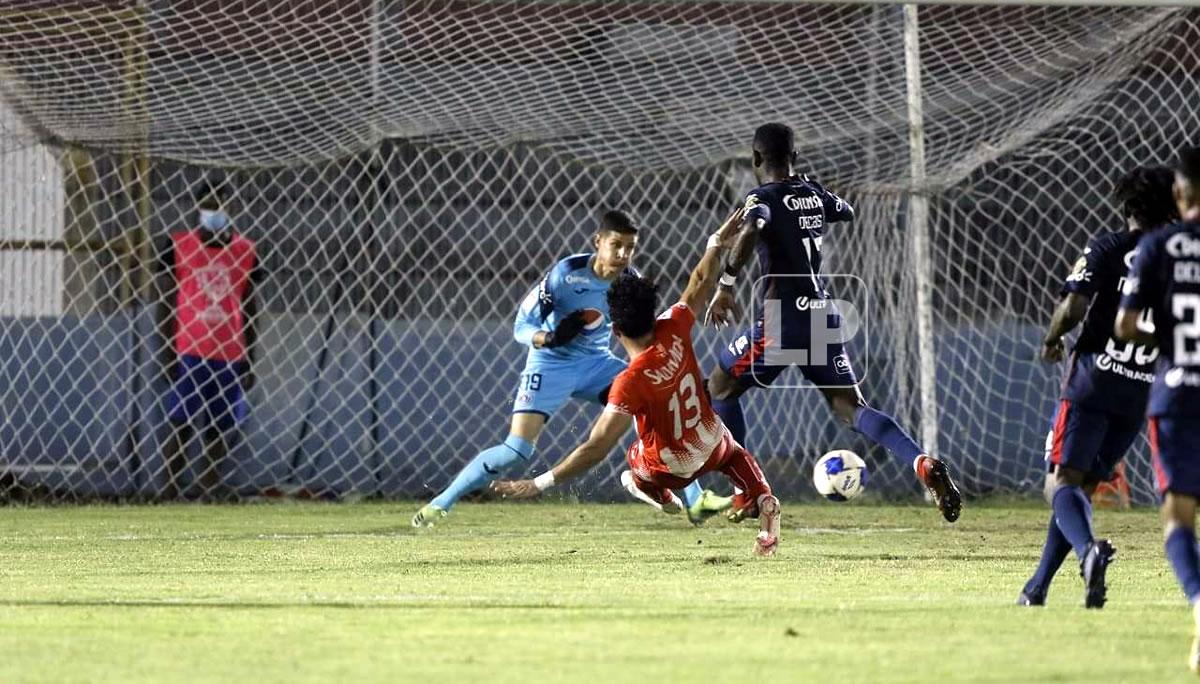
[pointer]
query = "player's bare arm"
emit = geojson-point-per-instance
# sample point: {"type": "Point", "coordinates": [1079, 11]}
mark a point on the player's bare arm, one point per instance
{"type": "Point", "coordinates": [1067, 315]}
{"type": "Point", "coordinates": [606, 432]}
{"type": "Point", "coordinates": [723, 310]}
{"type": "Point", "coordinates": [704, 276]}
{"type": "Point", "coordinates": [1127, 329]}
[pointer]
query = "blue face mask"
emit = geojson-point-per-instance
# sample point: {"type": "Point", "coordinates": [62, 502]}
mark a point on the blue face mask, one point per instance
{"type": "Point", "coordinates": [214, 220]}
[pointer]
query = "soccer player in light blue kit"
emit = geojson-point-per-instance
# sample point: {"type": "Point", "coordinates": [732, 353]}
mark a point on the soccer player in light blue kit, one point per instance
{"type": "Point", "coordinates": [565, 323]}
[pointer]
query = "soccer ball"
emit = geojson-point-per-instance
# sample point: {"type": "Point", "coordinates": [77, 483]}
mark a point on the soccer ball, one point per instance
{"type": "Point", "coordinates": [840, 475]}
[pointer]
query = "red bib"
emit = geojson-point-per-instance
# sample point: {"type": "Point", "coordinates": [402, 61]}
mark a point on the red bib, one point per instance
{"type": "Point", "coordinates": [212, 283]}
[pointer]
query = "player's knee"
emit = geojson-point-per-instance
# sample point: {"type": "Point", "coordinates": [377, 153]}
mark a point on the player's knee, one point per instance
{"type": "Point", "coordinates": [1069, 477]}
{"type": "Point", "coordinates": [1178, 511]}
{"type": "Point", "coordinates": [846, 408]}
{"type": "Point", "coordinates": [523, 447]}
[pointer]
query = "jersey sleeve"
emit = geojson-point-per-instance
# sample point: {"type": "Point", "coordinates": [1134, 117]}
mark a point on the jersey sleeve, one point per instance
{"type": "Point", "coordinates": [536, 307]}
{"type": "Point", "coordinates": [1140, 290]}
{"type": "Point", "coordinates": [756, 208]}
{"type": "Point", "coordinates": [681, 316]}
{"type": "Point", "coordinates": [625, 397]}
{"type": "Point", "coordinates": [837, 209]}
{"type": "Point", "coordinates": [1085, 272]}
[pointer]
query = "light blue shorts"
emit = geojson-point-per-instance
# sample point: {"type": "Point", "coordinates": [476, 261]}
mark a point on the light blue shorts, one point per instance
{"type": "Point", "coordinates": [545, 385]}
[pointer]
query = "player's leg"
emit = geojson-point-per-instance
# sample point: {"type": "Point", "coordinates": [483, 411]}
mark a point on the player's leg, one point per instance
{"type": "Point", "coordinates": [593, 383]}
{"type": "Point", "coordinates": [184, 405]}
{"type": "Point", "coordinates": [1055, 550]}
{"type": "Point", "coordinates": [175, 458]}
{"type": "Point", "coordinates": [517, 448]}
{"type": "Point", "coordinates": [1118, 434]}
{"type": "Point", "coordinates": [740, 467]}
{"type": "Point", "coordinates": [657, 496]}
{"type": "Point", "coordinates": [851, 408]}
{"type": "Point", "coordinates": [1082, 448]}
{"type": "Point", "coordinates": [1173, 448]}
{"type": "Point", "coordinates": [225, 411]}
{"type": "Point", "coordinates": [541, 391]}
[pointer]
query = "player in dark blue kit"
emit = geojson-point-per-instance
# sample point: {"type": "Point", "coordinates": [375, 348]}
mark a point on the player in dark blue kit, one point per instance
{"type": "Point", "coordinates": [1164, 282]}
{"type": "Point", "coordinates": [784, 222]}
{"type": "Point", "coordinates": [1103, 402]}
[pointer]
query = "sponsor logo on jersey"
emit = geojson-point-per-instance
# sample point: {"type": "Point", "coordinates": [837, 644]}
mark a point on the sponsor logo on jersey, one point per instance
{"type": "Point", "coordinates": [841, 364]}
{"type": "Point", "coordinates": [674, 362]}
{"type": "Point", "coordinates": [593, 319]}
{"type": "Point", "coordinates": [738, 346]}
{"type": "Point", "coordinates": [1106, 363]}
{"type": "Point", "coordinates": [805, 304]}
{"type": "Point", "coordinates": [806, 203]}
{"type": "Point", "coordinates": [1187, 271]}
{"type": "Point", "coordinates": [1079, 272]}
{"type": "Point", "coordinates": [1183, 246]}
{"type": "Point", "coordinates": [1178, 377]}
{"type": "Point", "coordinates": [573, 279]}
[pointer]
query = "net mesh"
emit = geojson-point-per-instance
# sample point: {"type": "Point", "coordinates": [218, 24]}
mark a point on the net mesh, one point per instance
{"type": "Point", "coordinates": [408, 170]}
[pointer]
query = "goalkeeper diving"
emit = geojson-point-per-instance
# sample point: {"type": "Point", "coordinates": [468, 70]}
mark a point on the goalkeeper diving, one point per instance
{"type": "Point", "coordinates": [565, 323]}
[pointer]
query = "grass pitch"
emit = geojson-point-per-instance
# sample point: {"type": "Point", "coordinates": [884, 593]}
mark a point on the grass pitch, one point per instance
{"type": "Point", "coordinates": [568, 592]}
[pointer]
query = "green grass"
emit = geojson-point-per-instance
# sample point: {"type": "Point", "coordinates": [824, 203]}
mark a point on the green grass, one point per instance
{"type": "Point", "coordinates": [558, 592]}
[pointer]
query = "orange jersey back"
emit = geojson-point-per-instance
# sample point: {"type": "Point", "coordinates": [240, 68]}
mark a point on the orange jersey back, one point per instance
{"type": "Point", "coordinates": [664, 390]}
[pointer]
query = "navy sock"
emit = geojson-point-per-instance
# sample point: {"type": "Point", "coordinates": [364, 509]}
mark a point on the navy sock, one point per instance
{"type": "Point", "coordinates": [1073, 513]}
{"type": "Point", "coordinates": [1185, 560]}
{"type": "Point", "coordinates": [1054, 552]}
{"type": "Point", "coordinates": [881, 428]}
{"type": "Point", "coordinates": [731, 414]}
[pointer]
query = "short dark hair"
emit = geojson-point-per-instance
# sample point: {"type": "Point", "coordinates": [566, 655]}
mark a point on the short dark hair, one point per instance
{"type": "Point", "coordinates": [617, 221]}
{"type": "Point", "coordinates": [633, 304]}
{"type": "Point", "coordinates": [210, 195]}
{"type": "Point", "coordinates": [775, 142]}
{"type": "Point", "coordinates": [1144, 194]}
{"type": "Point", "coordinates": [1189, 164]}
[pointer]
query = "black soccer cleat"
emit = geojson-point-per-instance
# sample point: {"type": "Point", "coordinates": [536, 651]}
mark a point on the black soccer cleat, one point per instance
{"type": "Point", "coordinates": [1029, 599]}
{"type": "Point", "coordinates": [936, 478]}
{"type": "Point", "coordinates": [1093, 568]}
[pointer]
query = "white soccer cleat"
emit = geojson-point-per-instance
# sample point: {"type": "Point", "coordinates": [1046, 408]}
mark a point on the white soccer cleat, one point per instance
{"type": "Point", "coordinates": [674, 505]}
{"type": "Point", "coordinates": [767, 540]}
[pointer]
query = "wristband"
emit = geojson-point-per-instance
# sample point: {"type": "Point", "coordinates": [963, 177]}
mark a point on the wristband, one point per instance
{"type": "Point", "coordinates": [727, 280]}
{"type": "Point", "coordinates": [714, 241]}
{"type": "Point", "coordinates": [544, 481]}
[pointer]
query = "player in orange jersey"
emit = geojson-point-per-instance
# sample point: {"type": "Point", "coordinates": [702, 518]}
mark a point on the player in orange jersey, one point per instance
{"type": "Point", "coordinates": [680, 438]}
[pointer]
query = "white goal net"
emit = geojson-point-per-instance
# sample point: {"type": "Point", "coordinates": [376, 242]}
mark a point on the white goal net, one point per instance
{"type": "Point", "coordinates": [408, 169]}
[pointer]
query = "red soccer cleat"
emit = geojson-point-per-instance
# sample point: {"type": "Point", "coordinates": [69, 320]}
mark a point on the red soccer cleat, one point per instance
{"type": "Point", "coordinates": [935, 475]}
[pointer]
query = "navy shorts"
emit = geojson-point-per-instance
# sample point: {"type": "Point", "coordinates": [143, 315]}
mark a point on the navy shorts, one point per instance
{"type": "Point", "coordinates": [1175, 453]}
{"type": "Point", "coordinates": [1090, 441]}
{"type": "Point", "coordinates": [208, 392]}
{"type": "Point", "coordinates": [745, 360]}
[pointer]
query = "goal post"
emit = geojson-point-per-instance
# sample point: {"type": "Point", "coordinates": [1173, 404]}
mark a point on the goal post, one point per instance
{"type": "Point", "coordinates": [408, 170]}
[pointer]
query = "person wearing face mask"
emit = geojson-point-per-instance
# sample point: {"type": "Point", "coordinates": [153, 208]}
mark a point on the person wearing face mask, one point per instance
{"type": "Point", "coordinates": [210, 333]}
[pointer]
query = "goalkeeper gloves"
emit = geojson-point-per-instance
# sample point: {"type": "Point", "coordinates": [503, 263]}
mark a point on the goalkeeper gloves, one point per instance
{"type": "Point", "coordinates": [566, 330]}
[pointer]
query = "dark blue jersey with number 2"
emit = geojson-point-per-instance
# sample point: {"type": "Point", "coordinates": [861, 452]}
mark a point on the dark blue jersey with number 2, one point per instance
{"type": "Point", "coordinates": [1165, 280]}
